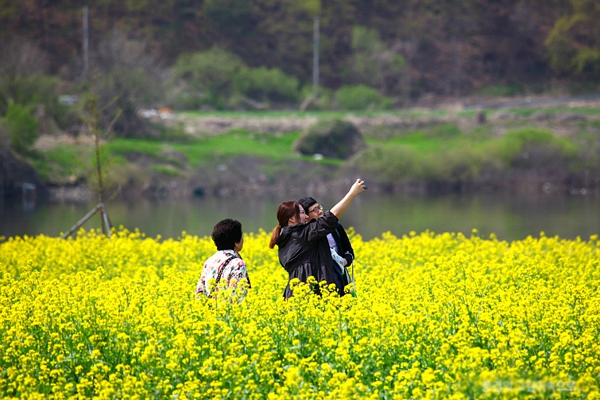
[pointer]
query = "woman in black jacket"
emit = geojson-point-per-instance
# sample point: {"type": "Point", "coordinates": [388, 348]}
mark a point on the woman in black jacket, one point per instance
{"type": "Point", "coordinates": [303, 247]}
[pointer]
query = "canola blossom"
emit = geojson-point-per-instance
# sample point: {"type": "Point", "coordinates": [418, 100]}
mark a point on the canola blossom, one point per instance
{"type": "Point", "coordinates": [435, 316]}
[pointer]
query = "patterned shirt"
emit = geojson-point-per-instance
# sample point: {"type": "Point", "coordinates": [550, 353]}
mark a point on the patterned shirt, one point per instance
{"type": "Point", "coordinates": [232, 273]}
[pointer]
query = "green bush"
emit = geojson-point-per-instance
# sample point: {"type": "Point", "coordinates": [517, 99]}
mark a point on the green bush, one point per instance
{"type": "Point", "coordinates": [34, 91]}
{"type": "Point", "coordinates": [532, 147]}
{"type": "Point", "coordinates": [373, 63]}
{"type": "Point", "coordinates": [361, 97]}
{"type": "Point", "coordinates": [266, 84]}
{"type": "Point", "coordinates": [119, 93]}
{"type": "Point", "coordinates": [22, 127]}
{"type": "Point", "coordinates": [67, 158]}
{"type": "Point", "coordinates": [126, 76]}
{"type": "Point", "coordinates": [210, 73]}
{"type": "Point", "coordinates": [321, 100]}
{"type": "Point", "coordinates": [391, 164]}
{"type": "Point", "coordinates": [44, 91]}
{"type": "Point", "coordinates": [63, 162]}
{"type": "Point", "coordinates": [333, 138]}
{"type": "Point", "coordinates": [462, 164]}
{"type": "Point", "coordinates": [406, 163]}
{"type": "Point", "coordinates": [186, 101]}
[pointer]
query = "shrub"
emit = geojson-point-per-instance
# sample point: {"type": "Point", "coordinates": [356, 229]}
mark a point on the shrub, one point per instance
{"type": "Point", "coordinates": [62, 163]}
{"type": "Point", "coordinates": [322, 100]}
{"type": "Point", "coordinates": [535, 148]}
{"type": "Point", "coordinates": [391, 164]}
{"type": "Point", "coordinates": [187, 101]}
{"type": "Point", "coordinates": [457, 165]}
{"type": "Point", "coordinates": [35, 91]}
{"type": "Point", "coordinates": [211, 73]}
{"type": "Point", "coordinates": [22, 127]}
{"type": "Point", "coordinates": [361, 97]}
{"type": "Point", "coordinates": [404, 163]}
{"type": "Point", "coordinates": [266, 84]}
{"type": "Point", "coordinates": [22, 66]}
{"type": "Point", "coordinates": [116, 96]}
{"type": "Point", "coordinates": [127, 76]}
{"type": "Point", "coordinates": [373, 63]}
{"type": "Point", "coordinates": [334, 138]}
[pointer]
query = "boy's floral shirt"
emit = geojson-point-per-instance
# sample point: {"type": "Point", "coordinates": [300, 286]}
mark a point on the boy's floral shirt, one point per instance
{"type": "Point", "coordinates": [233, 272]}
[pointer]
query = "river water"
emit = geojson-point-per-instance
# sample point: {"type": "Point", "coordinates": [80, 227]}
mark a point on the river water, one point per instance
{"type": "Point", "coordinates": [508, 217]}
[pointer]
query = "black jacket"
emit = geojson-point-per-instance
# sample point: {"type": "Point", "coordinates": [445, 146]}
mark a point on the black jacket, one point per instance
{"type": "Point", "coordinates": [304, 251]}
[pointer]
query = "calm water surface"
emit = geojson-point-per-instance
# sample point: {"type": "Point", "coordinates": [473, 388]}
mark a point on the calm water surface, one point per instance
{"type": "Point", "coordinates": [508, 217]}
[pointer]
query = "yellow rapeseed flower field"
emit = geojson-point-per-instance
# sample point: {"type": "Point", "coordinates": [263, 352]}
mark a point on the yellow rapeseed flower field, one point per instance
{"type": "Point", "coordinates": [435, 316]}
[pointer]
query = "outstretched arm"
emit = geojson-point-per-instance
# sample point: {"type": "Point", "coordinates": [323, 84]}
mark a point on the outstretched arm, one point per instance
{"type": "Point", "coordinates": [340, 208]}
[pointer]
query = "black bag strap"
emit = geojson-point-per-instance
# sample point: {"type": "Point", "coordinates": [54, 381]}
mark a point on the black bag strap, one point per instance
{"type": "Point", "coordinates": [222, 267]}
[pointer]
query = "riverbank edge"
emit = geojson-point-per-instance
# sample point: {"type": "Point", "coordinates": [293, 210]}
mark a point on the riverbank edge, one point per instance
{"type": "Point", "coordinates": [529, 182]}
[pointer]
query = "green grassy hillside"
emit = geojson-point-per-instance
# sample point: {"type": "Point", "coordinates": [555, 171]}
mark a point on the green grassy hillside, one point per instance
{"type": "Point", "coordinates": [439, 148]}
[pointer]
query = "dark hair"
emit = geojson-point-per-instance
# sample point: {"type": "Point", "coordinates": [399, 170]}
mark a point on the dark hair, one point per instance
{"type": "Point", "coordinates": [306, 203]}
{"type": "Point", "coordinates": [226, 234]}
{"type": "Point", "coordinates": [285, 211]}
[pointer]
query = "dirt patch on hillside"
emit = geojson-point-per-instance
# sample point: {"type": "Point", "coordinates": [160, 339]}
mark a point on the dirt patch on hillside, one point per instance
{"type": "Point", "coordinates": [199, 126]}
{"type": "Point", "coordinates": [493, 110]}
{"type": "Point", "coordinates": [48, 142]}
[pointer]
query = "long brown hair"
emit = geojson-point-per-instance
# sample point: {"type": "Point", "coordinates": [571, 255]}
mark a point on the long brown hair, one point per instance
{"type": "Point", "coordinates": [286, 210]}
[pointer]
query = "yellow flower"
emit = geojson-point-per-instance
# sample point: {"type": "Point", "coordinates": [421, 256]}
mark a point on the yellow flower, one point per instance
{"type": "Point", "coordinates": [435, 316]}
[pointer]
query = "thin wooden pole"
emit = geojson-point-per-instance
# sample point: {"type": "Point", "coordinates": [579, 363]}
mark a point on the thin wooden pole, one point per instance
{"type": "Point", "coordinates": [86, 36]}
{"type": "Point", "coordinates": [107, 222]}
{"type": "Point", "coordinates": [315, 56]}
{"type": "Point", "coordinates": [82, 220]}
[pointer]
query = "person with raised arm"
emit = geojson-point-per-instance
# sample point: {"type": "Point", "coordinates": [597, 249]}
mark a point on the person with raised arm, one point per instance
{"type": "Point", "coordinates": [339, 243]}
{"type": "Point", "coordinates": [302, 243]}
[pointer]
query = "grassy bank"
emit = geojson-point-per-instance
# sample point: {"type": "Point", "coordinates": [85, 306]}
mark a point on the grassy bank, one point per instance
{"type": "Point", "coordinates": [547, 148]}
